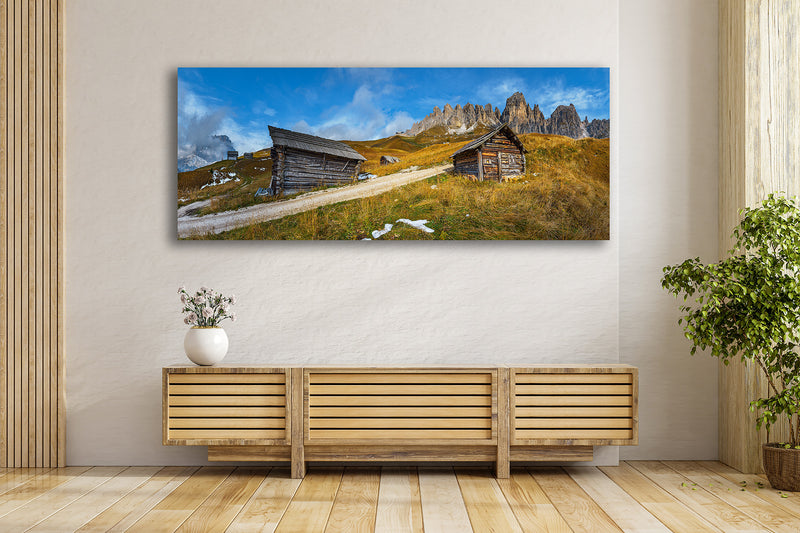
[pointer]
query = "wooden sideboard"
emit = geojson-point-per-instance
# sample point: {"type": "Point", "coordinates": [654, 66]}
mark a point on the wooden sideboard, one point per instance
{"type": "Point", "coordinates": [498, 414]}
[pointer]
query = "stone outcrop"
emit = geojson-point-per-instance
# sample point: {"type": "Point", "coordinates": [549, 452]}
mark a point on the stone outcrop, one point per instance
{"type": "Point", "coordinates": [388, 159]}
{"type": "Point", "coordinates": [598, 128]}
{"type": "Point", "coordinates": [520, 116]}
{"type": "Point", "coordinates": [565, 121]}
{"type": "Point", "coordinates": [458, 118]}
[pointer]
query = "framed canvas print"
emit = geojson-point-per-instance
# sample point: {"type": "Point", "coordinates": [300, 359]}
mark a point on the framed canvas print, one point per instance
{"type": "Point", "coordinates": [393, 153]}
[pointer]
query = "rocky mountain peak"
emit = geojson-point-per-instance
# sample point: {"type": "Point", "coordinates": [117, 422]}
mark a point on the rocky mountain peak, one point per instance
{"type": "Point", "coordinates": [516, 100]}
{"type": "Point", "coordinates": [566, 121]}
{"type": "Point", "coordinates": [520, 116]}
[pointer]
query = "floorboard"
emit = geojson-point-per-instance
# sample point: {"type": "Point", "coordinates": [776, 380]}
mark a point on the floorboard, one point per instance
{"type": "Point", "coordinates": [443, 508]}
{"type": "Point", "coordinates": [659, 502]}
{"type": "Point", "coordinates": [715, 510]}
{"type": "Point", "coordinates": [635, 497]}
{"type": "Point", "coordinates": [221, 507]}
{"type": "Point", "coordinates": [771, 517]}
{"type": "Point", "coordinates": [128, 510]}
{"type": "Point", "coordinates": [168, 514]}
{"type": "Point", "coordinates": [35, 486]}
{"type": "Point", "coordinates": [356, 503]}
{"type": "Point", "coordinates": [624, 510]}
{"type": "Point", "coordinates": [757, 485]}
{"type": "Point", "coordinates": [53, 500]}
{"type": "Point", "coordinates": [399, 505]}
{"type": "Point", "coordinates": [312, 503]}
{"type": "Point", "coordinates": [529, 503]}
{"type": "Point", "coordinates": [91, 504]}
{"type": "Point", "coordinates": [487, 508]}
{"type": "Point", "coordinates": [580, 511]}
{"type": "Point", "coordinates": [265, 509]}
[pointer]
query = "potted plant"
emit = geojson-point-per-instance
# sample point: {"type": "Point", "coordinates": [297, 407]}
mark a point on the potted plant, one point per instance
{"type": "Point", "coordinates": [748, 305]}
{"type": "Point", "coordinates": [206, 343]}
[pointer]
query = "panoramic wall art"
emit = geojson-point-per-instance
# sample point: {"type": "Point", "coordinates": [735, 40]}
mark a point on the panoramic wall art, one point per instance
{"type": "Point", "coordinates": [393, 153]}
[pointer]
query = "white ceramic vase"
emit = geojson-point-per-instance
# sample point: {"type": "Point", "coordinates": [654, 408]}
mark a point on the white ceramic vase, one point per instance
{"type": "Point", "coordinates": [205, 346]}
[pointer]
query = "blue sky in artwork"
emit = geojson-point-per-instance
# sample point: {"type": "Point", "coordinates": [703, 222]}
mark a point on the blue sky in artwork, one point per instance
{"type": "Point", "coordinates": [362, 103]}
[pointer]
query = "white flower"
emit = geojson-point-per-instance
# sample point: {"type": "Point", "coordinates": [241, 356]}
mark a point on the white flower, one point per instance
{"type": "Point", "coordinates": [233, 298]}
{"type": "Point", "coordinates": [200, 300]}
{"type": "Point", "coordinates": [233, 317]}
{"type": "Point", "coordinates": [204, 289]}
{"type": "Point", "coordinates": [191, 317]}
{"type": "Point", "coordinates": [181, 289]}
{"type": "Point", "coordinates": [183, 298]}
{"type": "Point", "coordinates": [207, 312]}
{"type": "Point", "coordinates": [186, 320]}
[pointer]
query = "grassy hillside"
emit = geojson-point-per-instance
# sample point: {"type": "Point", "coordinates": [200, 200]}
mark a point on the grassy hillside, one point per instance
{"type": "Point", "coordinates": [421, 151]}
{"type": "Point", "coordinates": [250, 173]}
{"type": "Point", "coordinates": [565, 195]}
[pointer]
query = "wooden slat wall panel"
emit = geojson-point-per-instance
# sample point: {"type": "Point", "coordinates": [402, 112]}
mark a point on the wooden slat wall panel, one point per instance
{"type": "Point", "coordinates": [759, 150]}
{"type": "Point", "coordinates": [32, 415]}
{"type": "Point", "coordinates": [392, 405]}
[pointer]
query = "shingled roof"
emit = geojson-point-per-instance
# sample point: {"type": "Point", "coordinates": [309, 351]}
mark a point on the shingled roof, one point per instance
{"type": "Point", "coordinates": [480, 141]}
{"type": "Point", "coordinates": [303, 141]}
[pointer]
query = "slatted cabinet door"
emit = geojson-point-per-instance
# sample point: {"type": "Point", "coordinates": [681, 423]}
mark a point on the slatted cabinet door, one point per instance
{"type": "Point", "coordinates": [405, 406]}
{"type": "Point", "coordinates": [225, 408]}
{"type": "Point", "coordinates": [575, 406]}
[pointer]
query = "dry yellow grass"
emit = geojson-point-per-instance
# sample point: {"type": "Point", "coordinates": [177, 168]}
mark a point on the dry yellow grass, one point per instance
{"type": "Point", "coordinates": [565, 195]}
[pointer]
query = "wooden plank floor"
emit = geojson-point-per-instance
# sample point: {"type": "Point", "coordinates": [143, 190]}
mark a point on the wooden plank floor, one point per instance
{"type": "Point", "coordinates": [636, 496]}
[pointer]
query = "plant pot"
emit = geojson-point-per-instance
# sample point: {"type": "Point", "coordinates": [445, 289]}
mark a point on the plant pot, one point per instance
{"type": "Point", "coordinates": [782, 467]}
{"type": "Point", "coordinates": [205, 346]}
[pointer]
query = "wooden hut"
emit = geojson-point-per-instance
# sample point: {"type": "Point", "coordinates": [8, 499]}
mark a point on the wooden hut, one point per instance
{"type": "Point", "coordinates": [233, 154]}
{"type": "Point", "coordinates": [496, 156]}
{"type": "Point", "coordinates": [301, 162]}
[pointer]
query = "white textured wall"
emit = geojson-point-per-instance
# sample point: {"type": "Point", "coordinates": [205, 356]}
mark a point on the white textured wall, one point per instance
{"type": "Point", "coordinates": [667, 212]}
{"type": "Point", "coordinates": [331, 302]}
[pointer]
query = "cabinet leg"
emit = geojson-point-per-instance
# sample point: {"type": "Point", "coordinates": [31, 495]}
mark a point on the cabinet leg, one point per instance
{"type": "Point", "coordinates": [503, 466]}
{"type": "Point", "coordinates": [298, 433]}
{"type": "Point", "coordinates": [298, 467]}
{"type": "Point", "coordinates": [502, 469]}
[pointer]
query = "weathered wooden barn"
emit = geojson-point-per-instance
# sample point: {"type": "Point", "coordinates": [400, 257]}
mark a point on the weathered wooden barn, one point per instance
{"type": "Point", "coordinates": [302, 162]}
{"type": "Point", "coordinates": [498, 155]}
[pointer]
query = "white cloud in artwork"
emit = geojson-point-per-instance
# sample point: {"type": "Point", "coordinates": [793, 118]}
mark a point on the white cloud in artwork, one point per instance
{"type": "Point", "coordinates": [202, 121]}
{"type": "Point", "coordinates": [586, 100]}
{"type": "Point", "coordinates": [361, 118]}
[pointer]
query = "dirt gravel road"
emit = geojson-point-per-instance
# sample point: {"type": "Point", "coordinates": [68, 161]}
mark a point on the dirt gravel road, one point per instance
{"type": "Point", "coordinates": [189, 225]}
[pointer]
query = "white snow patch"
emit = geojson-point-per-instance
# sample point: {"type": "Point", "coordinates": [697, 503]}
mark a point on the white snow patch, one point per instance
{"type": "Point", "coordinates": [418, 224]}
{"type": "Point", "coordinates": [220, 182]}
{"type": "Point", "coordinates": [433, 187]}
{"type": "Point", "coordinates": [218, 178]}
{"type": "Point", "coordinates": [381, 232]}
